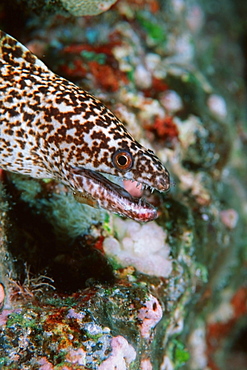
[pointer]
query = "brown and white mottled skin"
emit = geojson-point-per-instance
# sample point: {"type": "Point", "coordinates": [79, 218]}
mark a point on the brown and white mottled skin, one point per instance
{"type": "Point", "coordinates": [50, 128]}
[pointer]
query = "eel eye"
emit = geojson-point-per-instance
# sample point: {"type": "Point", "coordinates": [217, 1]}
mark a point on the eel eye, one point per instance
{"type": "Point", "coordinates": [122, 160]}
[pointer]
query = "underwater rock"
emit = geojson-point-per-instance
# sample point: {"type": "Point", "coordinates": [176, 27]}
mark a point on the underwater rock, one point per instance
{"type": "Point", "coordinates": [78, 8]}
{"type": "Point", "coordinates": [75, 8]}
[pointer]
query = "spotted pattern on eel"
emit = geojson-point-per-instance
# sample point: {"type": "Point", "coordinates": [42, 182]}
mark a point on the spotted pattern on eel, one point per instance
{"type": "Point", "coordinates": [50, 128]}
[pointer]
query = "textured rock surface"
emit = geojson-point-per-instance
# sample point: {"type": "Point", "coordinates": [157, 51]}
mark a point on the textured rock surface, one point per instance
{"type": "Point", "coordinates": [81, 291]}
{"type": "Point", "coordinates": [86, 7]}
{"type": "Point", "coordinates": [75, 8]}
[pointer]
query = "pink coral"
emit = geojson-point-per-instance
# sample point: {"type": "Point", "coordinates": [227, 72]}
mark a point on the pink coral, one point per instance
{"type": "Point", "coordinates": [150, 315]}
{"type": "Point", "coordinates": [45, 364]}
{"type": "Point", "coordinates": [146, 365]}
{"type": "Point", "coordinates": [121, 356]}
{"type": "Point", "coordinates": [229, 217]}
{"type": "Point", "coordinates": [76, 356]}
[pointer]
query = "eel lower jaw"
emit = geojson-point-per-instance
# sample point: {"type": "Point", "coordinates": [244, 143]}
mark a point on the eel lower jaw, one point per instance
{"type": "Point", "coordinates": [94, 189]}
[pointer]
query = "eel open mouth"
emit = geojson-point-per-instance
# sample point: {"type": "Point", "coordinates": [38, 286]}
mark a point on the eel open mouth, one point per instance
{"type": "Point", "coordinates": [96, 190]}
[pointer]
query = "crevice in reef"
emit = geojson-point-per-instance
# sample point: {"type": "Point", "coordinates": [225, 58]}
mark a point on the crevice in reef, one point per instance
{"type": "Point", "coordinates": [38, 249]}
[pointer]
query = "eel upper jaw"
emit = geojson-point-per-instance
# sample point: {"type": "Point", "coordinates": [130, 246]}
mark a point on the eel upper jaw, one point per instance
{"type": "Point", "coordinates": [94, 189]}
{"type": "Point", "coordinates": [113, 182]}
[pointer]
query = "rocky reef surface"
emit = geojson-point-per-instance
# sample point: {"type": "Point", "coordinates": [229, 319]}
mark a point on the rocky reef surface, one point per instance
{"type": "Point", "coordinates": [81, 288]}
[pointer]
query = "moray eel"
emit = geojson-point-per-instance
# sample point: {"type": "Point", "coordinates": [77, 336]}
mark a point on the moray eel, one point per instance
{"type": "Point", "coordinates": [50, 128]}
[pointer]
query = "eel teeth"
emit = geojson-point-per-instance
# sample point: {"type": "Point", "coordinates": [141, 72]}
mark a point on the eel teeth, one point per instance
{"type": "Point", "coordinates": [140, 201]}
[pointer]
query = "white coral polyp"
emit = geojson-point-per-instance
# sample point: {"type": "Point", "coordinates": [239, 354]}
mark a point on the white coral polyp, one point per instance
{"type": "Point", "coordinates": [141, 246]}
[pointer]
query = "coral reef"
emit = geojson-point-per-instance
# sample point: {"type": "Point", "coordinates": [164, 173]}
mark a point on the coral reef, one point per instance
{"type": "Point", "coordinates": [86, 7]}
{"type": "Point", "coordinates": [86, 289]}
{"type": "Point", "coordinates": [140, 246]}
{"type": "Point", "coordinates": [75, 8]}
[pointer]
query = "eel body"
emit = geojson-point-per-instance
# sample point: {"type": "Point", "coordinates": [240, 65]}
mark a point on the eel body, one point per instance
{"type": "Point", "coordinates": [50, 128]}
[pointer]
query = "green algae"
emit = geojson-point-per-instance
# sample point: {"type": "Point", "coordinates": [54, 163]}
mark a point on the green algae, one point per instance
{"type": "Point", "coordinates": [153, 29]}
{"type": "Point", "coordinates": [60, 301]}
{"type": "Point", "coordinates": [93, 56]}
{"type": "Point", "coordinates": [19, 320]}
{"type": "Point", "coordinates": [181, 354]}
